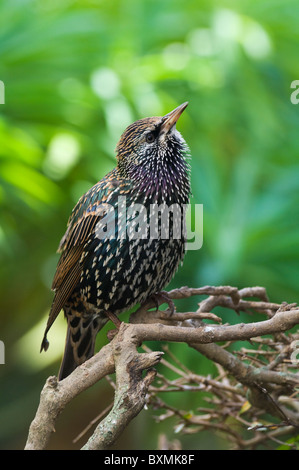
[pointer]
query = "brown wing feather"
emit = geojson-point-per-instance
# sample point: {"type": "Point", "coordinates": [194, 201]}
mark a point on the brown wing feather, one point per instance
{"type": "Point", "coordinates": [65, 264]}
{"type": "Point", "coordinates": [68, 270]}
{"type": "Point", "coordinates": [72, 244]}
{"type": "Point", "coordinates": [60, 298]}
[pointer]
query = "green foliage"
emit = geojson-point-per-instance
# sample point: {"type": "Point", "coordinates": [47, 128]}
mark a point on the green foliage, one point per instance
{"type": "Point", "coordinates": [75, 74]}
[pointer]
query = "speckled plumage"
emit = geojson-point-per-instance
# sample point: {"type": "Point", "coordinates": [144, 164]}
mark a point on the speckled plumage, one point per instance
{"type": "Point", "coordinates": [98, 275]}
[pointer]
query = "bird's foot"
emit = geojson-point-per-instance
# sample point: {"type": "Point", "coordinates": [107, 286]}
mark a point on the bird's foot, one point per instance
{"type": "Point", "coordinates": [162, 297]}
{"type": "Point", "coordinates": [111, 334]}
{"type": "Point", "coordinates": [115, 320]}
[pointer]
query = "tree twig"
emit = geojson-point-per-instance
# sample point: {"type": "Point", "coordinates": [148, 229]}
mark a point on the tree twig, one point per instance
{"type": "Point", "coordinates": [121, 356]}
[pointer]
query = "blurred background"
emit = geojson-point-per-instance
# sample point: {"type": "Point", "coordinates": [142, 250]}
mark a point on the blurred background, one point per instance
{"type": "Point", "coordinates": [76, 73]}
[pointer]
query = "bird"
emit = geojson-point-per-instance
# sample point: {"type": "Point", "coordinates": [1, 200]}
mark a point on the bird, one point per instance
{"type": "Point", "coordinates": [110, 261]}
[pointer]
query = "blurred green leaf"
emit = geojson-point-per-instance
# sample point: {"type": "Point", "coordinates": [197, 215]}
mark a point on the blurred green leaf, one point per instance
{"type": "Point", "coordinates": [76, 73]}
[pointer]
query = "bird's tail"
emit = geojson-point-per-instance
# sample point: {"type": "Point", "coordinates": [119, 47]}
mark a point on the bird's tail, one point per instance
{"type": "Point", "coordinates": [80, 341]}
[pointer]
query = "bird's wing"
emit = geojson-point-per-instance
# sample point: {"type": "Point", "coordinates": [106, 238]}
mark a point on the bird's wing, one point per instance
{"type": "Point", "coordinates": [85, 215]}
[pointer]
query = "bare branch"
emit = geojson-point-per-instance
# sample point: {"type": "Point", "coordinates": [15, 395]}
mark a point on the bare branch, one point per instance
{"type": "Point", "coordinates": [265, 372]}
{"type": "Point", "coordinates": [282, 321]}
{"type": "Point", "coordinates": [56, 395]}
{"type": "Point", "coordinates": [131, 388]}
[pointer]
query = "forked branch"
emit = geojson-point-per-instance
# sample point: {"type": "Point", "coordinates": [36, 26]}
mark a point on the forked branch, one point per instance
{"type": "Point", "coordinates": [266, 382]}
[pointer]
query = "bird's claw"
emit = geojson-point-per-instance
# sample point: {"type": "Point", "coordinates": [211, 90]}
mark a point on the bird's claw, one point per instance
{"type": "Point", "coordinates": [162, 297]}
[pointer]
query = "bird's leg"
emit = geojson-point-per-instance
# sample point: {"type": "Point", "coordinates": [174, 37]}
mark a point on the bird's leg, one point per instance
{"type": "Point", "coordinates": [115, 320]}
{"type": "Point", "coordinates": [162, 297]}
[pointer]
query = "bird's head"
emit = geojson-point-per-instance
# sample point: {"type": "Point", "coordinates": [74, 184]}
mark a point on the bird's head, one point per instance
{"type": "Point", "coordinates": [150, 147]}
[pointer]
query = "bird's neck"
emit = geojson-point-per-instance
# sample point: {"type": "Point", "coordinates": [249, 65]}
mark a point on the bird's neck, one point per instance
{"type": "Point", "coordinates": [160, 181]}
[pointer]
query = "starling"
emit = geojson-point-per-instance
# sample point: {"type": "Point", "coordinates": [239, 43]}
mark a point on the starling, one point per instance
{"type": "Point", "coordinates": [110, 259]}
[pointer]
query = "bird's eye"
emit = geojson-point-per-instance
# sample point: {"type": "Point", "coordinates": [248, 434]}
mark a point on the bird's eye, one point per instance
{"type": "Point", "coordinates": [150, 137]}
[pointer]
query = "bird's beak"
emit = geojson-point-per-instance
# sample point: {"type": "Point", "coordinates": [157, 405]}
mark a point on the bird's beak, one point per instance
{"type": "Point", "coordinates": [170, 119]}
